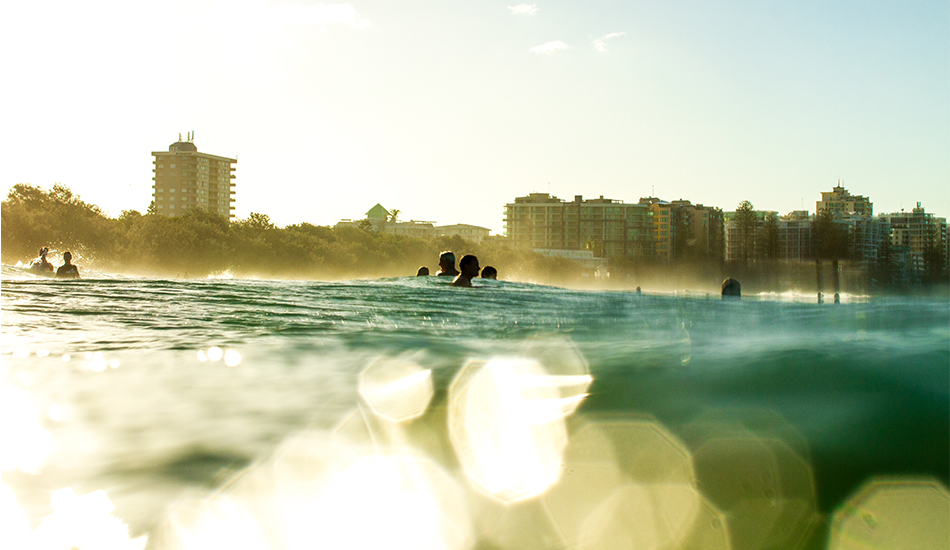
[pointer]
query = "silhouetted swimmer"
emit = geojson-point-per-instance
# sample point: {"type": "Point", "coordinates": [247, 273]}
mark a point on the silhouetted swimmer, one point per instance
{"type": "Point", "coordinates": [423, 271]}
{"type": "Point", "coordinates": [470, 268]}
{"type": "Point", "coordinates": [489, 273]}
{"type": "Point", "coordinates": [41, 263]}
{"type": "Point", "coordinates": [821, 298]}
{"type": "Point", "coordinates": [837, 298]}
{"type": "Point", "coordinates": [447, 265]}
{"type": "Point", "coordinates": [731, 289]}
{"type": "Point", "coordinates": [638, 291]}
{"type": "Point", "coordinates": [67, 270]}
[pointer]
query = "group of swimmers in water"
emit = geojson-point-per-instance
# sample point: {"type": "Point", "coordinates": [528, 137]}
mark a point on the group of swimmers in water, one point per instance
{"type": "Point", "coordinates": [65, 271]}
{"type": "Point", "coordinates": [468, 269]}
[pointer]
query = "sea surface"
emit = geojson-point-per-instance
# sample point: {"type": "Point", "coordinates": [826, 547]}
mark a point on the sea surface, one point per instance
{"type": "Point", "coordinates": [406, 413]}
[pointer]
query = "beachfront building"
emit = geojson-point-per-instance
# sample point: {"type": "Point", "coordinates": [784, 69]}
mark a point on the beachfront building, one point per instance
{"type": "Point", "coordinates": [609, 228]}
{"type": "Point", "coordinates": [681, 228]}
{"type": "Point", "coordinates": [912, 233]}
{"type": "Point", "coordinates": [379, 219]}
{"type": "Point", "coordinates": [794, 235]}
{"type": "Point", "coordinates": [734, 241]}
{"type": "Point", "coordinates": [184, 179]}
{"type": "Point", "coordinates": [839, 200]}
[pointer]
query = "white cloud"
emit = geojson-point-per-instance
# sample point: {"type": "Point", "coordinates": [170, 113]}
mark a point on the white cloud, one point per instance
{"type": "Point", "coordinates": [321, 15]}
{"type": "Point", "coordinates": [524, 9]}
{"type": "Point", "coordinates": [600, 44]}
{"type": "Point", "coordinates": [549, 47]}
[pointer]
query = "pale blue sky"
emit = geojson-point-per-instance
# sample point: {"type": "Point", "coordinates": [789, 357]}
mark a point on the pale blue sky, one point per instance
{"type": "Point", "coordinates": [442, 109]}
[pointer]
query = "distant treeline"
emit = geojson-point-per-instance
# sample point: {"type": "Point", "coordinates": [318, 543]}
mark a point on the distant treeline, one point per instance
{"type": "Point", "coordinates": [199, 243]}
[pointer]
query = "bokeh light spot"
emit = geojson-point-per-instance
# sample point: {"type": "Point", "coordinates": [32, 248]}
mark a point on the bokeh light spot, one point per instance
{"type": "Point", "coordinates": [506, 423]}
{"type": "Point", "coordinates": [396, 389]}
{"type": "Point", "coordinates": [232, 358]}
{"type": "Point", "coordinates": [892, 514]}
{"type": "Point", "coordinates": [215, 353]}
{"type": "Point", "coordinates": [24, 444]}
{"type": "Point", "coordinates": [84, 522]}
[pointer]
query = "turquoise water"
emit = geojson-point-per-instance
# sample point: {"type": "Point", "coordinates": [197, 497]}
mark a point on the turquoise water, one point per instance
{"type": "Point", "coordinates": [537, 416]}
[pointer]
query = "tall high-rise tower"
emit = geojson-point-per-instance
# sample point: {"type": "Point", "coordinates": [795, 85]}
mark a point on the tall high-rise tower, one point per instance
{"type": "Point", "coordinates": [185, 179]}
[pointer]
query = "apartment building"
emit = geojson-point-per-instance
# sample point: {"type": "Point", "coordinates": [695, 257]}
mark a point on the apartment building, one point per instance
{"type": "Point", "coordinates": [911, 233]}
{"type": "Point", "coordinates": [734, 250]}
{"type": "Point", "coordinates": [794, 236]}
{"type": "Point", "coordinates": [609, 227]}
{"type": "Point", "coordinates": [841, 201]}
{"type": "Point", "coordinates": [681, 227]}
{"type": "Point", "coordinates": [185, 179]}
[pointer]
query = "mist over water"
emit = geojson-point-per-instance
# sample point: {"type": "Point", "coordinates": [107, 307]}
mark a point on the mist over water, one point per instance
{"type": "Point", "coordinates": [404, 412]}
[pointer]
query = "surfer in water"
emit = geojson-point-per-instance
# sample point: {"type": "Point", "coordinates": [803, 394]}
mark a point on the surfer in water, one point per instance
{"type": "Point", "coordinates": [489, 273]}
{"type": "Point", "coordinates": [423, 271]}
{"type": "Point", "coordinates": [41, 263]}
{"type": "Point", "coordinates": [447, 265]}
{"type": "Point", "coordinates": [470, 268]}
{"type": "Point", "coordinates": [731, 289]}
{"type": "Point", "coordinates": [67, 270]}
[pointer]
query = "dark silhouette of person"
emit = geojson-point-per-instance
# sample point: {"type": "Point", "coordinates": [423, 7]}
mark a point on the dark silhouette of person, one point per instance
{"type": "Point", "coordinates": [67, 270]}
{"type": "Point", "coordinates": [470, 268]}
{"type": "Point", "coordinates": [489, 273]}
{"type": "Point", "coordinates": [423, 271]}
{"type": "Point", "coordinates": [731, 289]}
{"type": "Point", "coordinates": [41, 263]}
{"type": "Point", "coordinates": [447, 264]}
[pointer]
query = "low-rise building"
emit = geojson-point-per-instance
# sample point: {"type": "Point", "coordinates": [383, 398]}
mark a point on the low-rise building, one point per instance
{"type": "Point", "coordinates": [378, 218]}
{"type": "Point", "coordinates": [608, 227]}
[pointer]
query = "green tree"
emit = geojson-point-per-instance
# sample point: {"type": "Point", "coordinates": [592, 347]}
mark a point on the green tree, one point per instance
{"type": "Point", "coordinates": [933, 256]}
{"type": "Point", "coordinates": [747, 223]}
{"type": "Point", "coordinates": [394, 215]}
{"type": "Point", "coordinates": [885, 266]}
{"type": "Point", "coordinates": [830, 241]}
{"type": "Point", "coordinates": [681, 248]}
{"type": "Point", "coordinates": [769, 236]}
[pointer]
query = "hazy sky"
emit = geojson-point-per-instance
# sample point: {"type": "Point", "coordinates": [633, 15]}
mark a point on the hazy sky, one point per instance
{"type": "Point", "coordinates": [447, 109]}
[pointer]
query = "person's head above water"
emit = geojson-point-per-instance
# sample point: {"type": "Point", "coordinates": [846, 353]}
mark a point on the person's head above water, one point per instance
{"type": "Point", "coordinates": [469, 266]}
{"type": "Point", "coordinates": [489, 272]}
{"type": "Point", "coordinates": [447, 263]}
{"type": "Point", "coordinates": [423, 271]}
{"type": "Point", "coordinates": [43, 252]}
{"type": "Point", "coordinates": [67, 257]}
{"type": "Point", "coordinates": [731, 289]}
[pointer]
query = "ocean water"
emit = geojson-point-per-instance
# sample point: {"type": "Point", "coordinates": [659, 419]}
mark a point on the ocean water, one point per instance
{"type": "Point", "coordinates": [226, 413]}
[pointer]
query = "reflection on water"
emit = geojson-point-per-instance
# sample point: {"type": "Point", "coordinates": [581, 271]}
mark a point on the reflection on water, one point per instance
{"type": "Point", "coordinates": [24, 444]}
{"type": "Point", "coordinates": [360, 423]}
{"type": "Point", "coordinates": [502, 460]}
